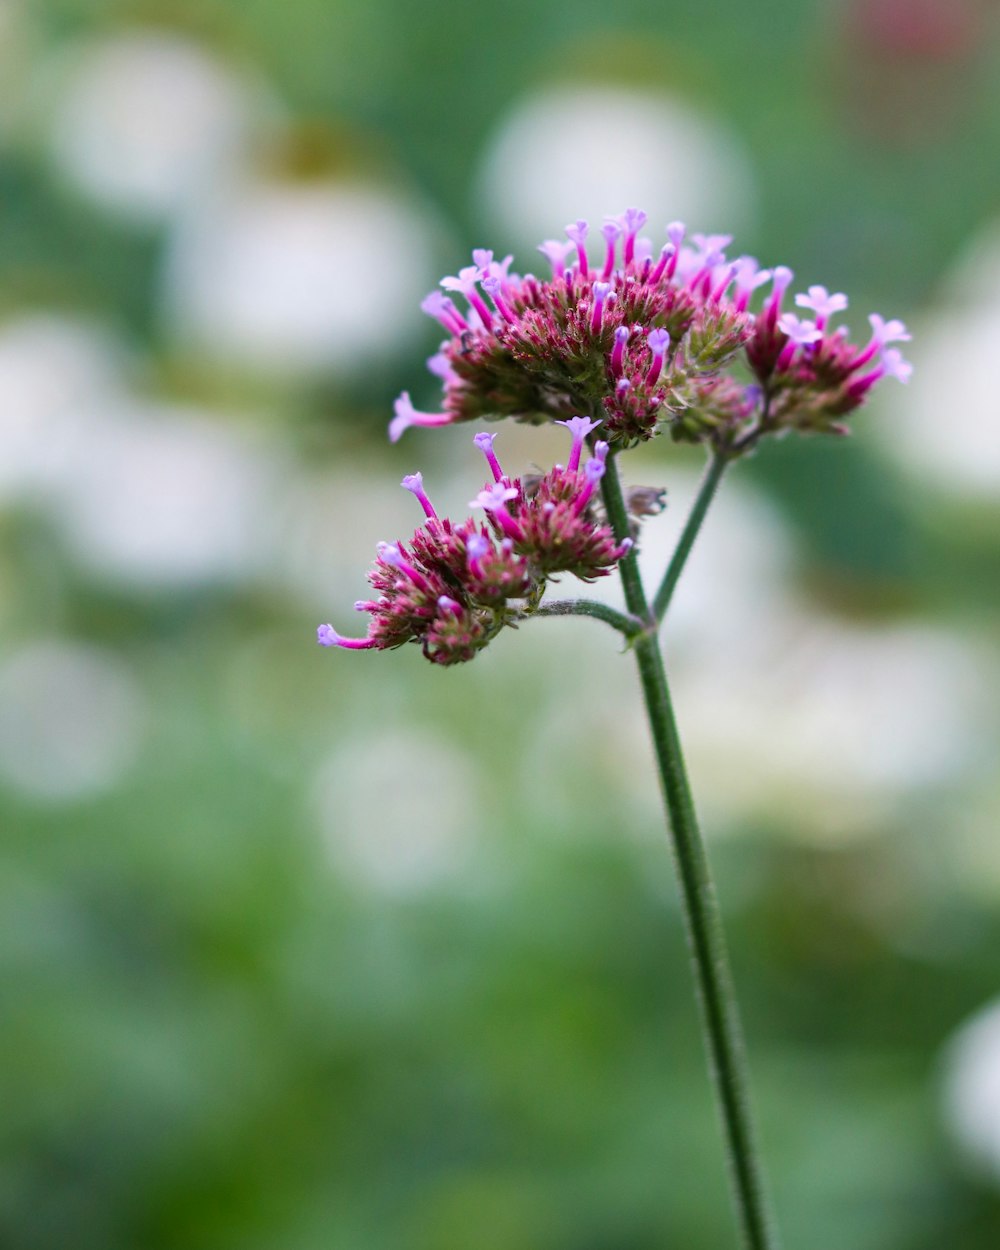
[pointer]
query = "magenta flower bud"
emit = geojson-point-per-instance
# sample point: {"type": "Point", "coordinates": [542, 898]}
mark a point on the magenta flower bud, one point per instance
{"type": "Point", "coordinates": [451, 606]}
{"type": "Point", "coordinates": [476, 546]}
{"type": "Point", "coordinates": [414, 483]}
{"type": "Point", "coordinates": [390, 554]}
{"type": "Point", "coordinates": [579, 427]}
{"type": "Point", "coordinates": [622, 387]}
{"type": "Point", "coordinates": [666, 253]}
{"type": "Point", "coordinates": [780, 280]}
{"type": "Point", "coordinates": [618, 351]}
{"type": "Point", "coordinates": [484, 442]}
{"type": "Point", "coordinates": [612, 233]}
{"type": "Point", "coordinates": [593, 471]}
{"type": "Point", "coordinates": [601, 290]}
{"type": "Point", "coordinates": [725, 276]}
{"type": "Point", "coordinates": [407, 415]}
{"type": "Point", "coordinates": [675, 233]}
{"type": "Point", "coordinates": [632, 221]}
{"type": "Point", "coordinates": [658, 341]}
{"type": "Point", "coordinates": [577, 232]}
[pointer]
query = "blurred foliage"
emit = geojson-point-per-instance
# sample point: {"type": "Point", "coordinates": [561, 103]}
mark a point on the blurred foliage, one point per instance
{"type": "Point", "coordinates": [218, 1034]}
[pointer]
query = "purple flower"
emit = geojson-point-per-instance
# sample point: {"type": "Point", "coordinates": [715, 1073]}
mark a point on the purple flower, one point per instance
{"type": "Point", "coordinates": [888, 331]}
{"type": "Point", "coordinates": [407, 415]}
{"type": "Point", "coordinates": [414, 483]}
{"type": "Point", "coordinates": [822, 303]}
{"type": "Point", "coordinates": [494, 498]}
{"type": "Point", "coordinates": [894, 366]}
{"type": "Point", "coordinates": [579, 427]}
{"type": "Point", "coordinates": [600, 294]}
{"type": "Point", "coordinates": [618, 351]}
{"type": "Point", "coordinates": [441, 307]}
{"type": "Point", "coordinates": [799, 331]}
{"type": "Point", "coordinates": [658, 341]}
{"type": "Point", "coordinates": [645, 344]}
{"type": "Point", "coordinates": [577, 233]}
{"type": "Point", "coordinates": [484, 442]}
{"type": "Point", "coordinates": [555, 252]}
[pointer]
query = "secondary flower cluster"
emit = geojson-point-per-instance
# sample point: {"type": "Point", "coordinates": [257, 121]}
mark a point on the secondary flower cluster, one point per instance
{"type": "Point", "coordinates": [648, 342]}
{"type": "Point", "coordinates": [452, 588]}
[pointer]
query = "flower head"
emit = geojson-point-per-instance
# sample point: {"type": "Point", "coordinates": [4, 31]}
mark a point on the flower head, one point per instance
{"type": "Point", "coordinates": [642, 343]}
{"type": "Point", "coordinates": [453, 587]}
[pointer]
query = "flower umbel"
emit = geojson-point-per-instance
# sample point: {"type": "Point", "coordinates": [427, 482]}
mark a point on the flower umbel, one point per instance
{"type": "Point", "coordinates": [648, 344]}
{"type": "Point", "coordinates": [615, 346]}
{"type": "Point", "coordinates": [453, 587]}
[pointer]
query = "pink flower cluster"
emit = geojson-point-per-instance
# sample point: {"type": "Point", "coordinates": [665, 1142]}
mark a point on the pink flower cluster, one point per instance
{"type": "Point", "coordinates": [648, 342]}
{"type": "Point", "coordinates": [452, 588]}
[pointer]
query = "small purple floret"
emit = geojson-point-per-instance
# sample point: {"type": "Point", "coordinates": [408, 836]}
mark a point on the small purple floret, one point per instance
{"type": "Point", "coordinates": [484, 442]}
{"type": "Point", "coordinates": [799, 331]}
{"type": "Point", "coordinates": [476, 547]}
{"type": "Point", "coordinates": [327, 636]}
{"type": "Point", "coordinates": [407, 415]}
{"type": "Point", "coordinates": [577, 232]}
{"type": "Point", "coordinates": [822, 303]}
{"type": "Point", "coordinates": [893, 331]}
{"type": "Point", "coordinates": [555, 252]}
{"type": "Point", "coordinates": [414, 483]}
{"type": "Point", "coordinates": [495, 498]}
{"type": "Point", "coordinates": [894, 366]}
{"type": "Point", "coordinates": [579, 427]}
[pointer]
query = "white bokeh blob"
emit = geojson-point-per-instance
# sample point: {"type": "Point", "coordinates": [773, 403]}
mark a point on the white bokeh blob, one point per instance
{"type": "Point", "coordinates": [571, 152]}
{"type": "Point", "coordinates": [72, 718]}
{"type": "Point", "coordinates": [286, 278]}
{"type": "Point", "coordinates": [971, 1089]}
{"type": "Point", "coordinates": [396, 808]}
{"type": "Point", "coordinates": [143, 120]}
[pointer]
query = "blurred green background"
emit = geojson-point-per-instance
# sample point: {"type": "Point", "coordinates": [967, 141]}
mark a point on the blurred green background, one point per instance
{"type": "Point", "coordinates": [303, 950]}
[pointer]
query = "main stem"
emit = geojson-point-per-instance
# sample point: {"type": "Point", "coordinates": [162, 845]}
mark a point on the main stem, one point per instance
{"type": "Point", "coordinates": [719, 1011]}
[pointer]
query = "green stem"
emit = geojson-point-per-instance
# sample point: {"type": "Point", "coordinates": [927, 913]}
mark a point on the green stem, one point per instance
{"type": "Point", "coordinates": [625, 624]}
{"type": "Point", "coordinates": [719, 1011]}
{"type": "Point", "coordinates": [706, 493]}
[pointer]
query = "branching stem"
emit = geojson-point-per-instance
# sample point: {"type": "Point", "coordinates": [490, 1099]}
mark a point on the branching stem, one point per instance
{"type": "Point", "coordinates": [706, 493]}
{"type": "Point", "coordinates": [627, 625]}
